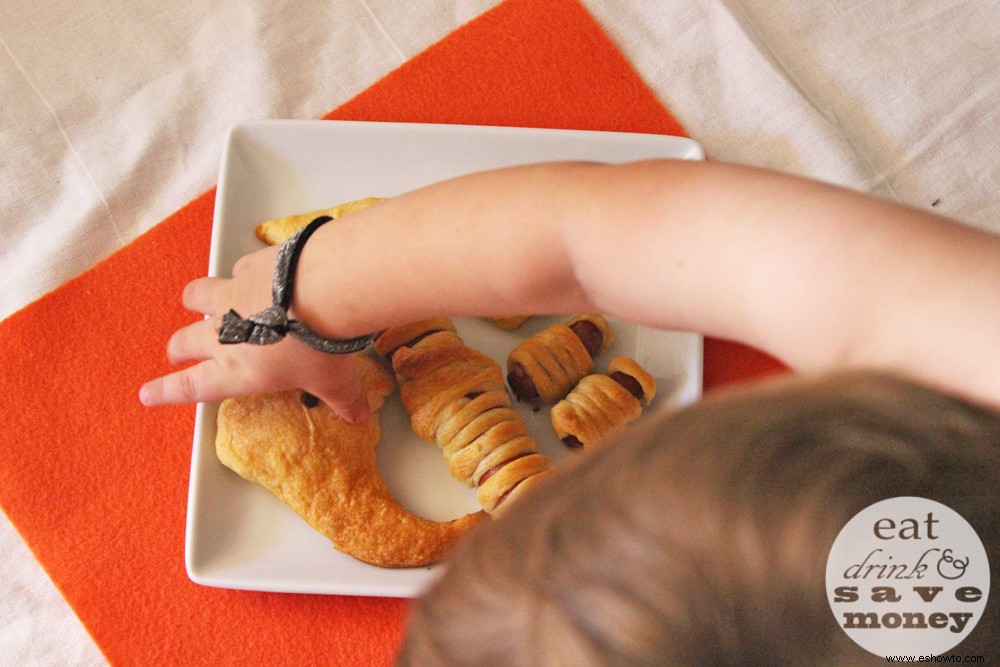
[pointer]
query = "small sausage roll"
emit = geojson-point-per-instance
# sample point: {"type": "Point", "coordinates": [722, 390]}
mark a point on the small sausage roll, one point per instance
{"type": "Point", "coordinates": [600, 405]}
{"type": "Point", "coordinates": [456, 397]}
{"type": "Point", "coordinates": [544, 367]}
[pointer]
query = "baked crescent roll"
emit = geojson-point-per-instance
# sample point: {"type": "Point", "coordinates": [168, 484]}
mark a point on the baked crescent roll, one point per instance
{"type": "Point", "coordinates": [600, 405]}
{"type": "Point", "coordinates": [546, 366]}
{"type": "Point", "coordinates": [277, 231]}
{"type": "Point", "coordinates": [325, 470]}
{"type": "Point", "coordinates": [456, 397]}
{"type": "Point", "coordinates": [510, 322]}
{"type": "Point", "coordinates": [407, 335]}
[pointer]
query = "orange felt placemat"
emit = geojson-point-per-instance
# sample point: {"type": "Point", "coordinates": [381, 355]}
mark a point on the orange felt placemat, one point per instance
{"type": "Point", "coordinates": [97, 484]}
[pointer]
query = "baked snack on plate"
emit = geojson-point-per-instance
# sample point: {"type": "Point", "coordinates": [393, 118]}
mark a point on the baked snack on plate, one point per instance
{"type": "Point", "coordinates": [277, 231]}
{"type": "Point", "coordinates": [544, 367]}
{"type": "Point", "coordinates": [510, 322]}
{"type": "Point", "coordinates": [325, 470]}
{"type": "Point", "coordinates": [456, 397]}
{"type": "Point", "coordinates": [601, 405]}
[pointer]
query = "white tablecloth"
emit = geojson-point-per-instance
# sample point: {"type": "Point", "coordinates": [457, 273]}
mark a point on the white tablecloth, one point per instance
{"type": "Point", "coordinates": [112, 117]}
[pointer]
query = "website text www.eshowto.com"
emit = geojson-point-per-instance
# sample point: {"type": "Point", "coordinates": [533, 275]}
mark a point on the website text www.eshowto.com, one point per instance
{"type": "Point", "coordinates": [952, 657]}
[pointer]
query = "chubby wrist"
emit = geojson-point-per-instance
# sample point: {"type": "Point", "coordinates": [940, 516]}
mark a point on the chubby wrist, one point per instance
{"type": "Point", "coordinates": [322, 298]}
{"type": "Point", "coordinates": [275, 322]}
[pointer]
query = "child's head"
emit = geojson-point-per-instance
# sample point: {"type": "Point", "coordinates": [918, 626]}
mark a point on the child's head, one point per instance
{"type": "Point", "coordinates": [701, 537]}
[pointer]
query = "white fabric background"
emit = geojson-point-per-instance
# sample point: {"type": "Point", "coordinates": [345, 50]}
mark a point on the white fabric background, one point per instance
{"type": "Point", "coordinates": [112, 116]}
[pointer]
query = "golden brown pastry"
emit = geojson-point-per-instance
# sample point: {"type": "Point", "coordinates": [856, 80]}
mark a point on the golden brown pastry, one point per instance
{"type": "Point", "coordinates": [408, 335]}
{"type": "Point", "coordinates": [600, 405]}
{"type": "Point", "coordinates": [546, 366]}
{"type": "Point", "coordinates": [276, 232]}
{"type": "Point", "coordinates": [456, 397]}
{"type": "Point", "coordinates": [510, 323]}
{"type": "Point", "coordinates": [324, 469]}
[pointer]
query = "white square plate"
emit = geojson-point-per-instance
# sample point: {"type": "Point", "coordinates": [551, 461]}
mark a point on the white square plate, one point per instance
{"type": "Point", "coordinates": [238, 534]}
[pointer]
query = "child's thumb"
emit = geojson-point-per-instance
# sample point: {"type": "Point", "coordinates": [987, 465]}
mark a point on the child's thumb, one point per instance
{"type": "Point", "coordinates": [351, 404]}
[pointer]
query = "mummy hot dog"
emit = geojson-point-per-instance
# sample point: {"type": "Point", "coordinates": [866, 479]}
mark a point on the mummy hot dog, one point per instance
{"type": "Point", "coordinates": [456, 397]}
{"type": "Point", "coordinates": [544, 367]}
{"type": "Point", "coordinates": [599, 405]}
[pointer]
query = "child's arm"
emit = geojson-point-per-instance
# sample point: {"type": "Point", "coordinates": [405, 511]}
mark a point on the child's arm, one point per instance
{"type": "Point", "coordinates": [819, 276]}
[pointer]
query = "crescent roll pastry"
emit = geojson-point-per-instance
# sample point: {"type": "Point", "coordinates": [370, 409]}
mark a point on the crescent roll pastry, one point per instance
{"type": "Point", "coordinates": [602, 404]}
{"type": "Point", "coordinates": [325, 470]}
{"type": "Point", "coordinates": [408, 335]}
{"type": "Point", "coordinates": [510, 322]}
{"type": "Point", "coordinates": [277, 231]}
{"type": "Point", "coordinates": [456, 397]}
{"type": "Point", "coordinates": [546, 366]}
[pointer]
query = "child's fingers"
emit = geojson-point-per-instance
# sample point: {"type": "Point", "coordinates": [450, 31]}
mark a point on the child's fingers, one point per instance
{"type": "Point", "coordinates": [206, 382]}
{"type": "Point", "coordinates": [206, 295]}
{"type": "Point", "coordinates": [346, 397]}
{"type": "Point", "coordinates": [195, 342]}
{"type": "Point", "coordinates": [200, 383]}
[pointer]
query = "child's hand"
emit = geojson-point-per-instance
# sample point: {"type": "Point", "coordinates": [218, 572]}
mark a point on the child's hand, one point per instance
{"type": "Point", "coordinates": [235, 370]}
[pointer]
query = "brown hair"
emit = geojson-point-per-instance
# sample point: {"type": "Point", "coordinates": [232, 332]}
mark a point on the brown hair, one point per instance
{"type": "Point", "coordinates": [702, 536]}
